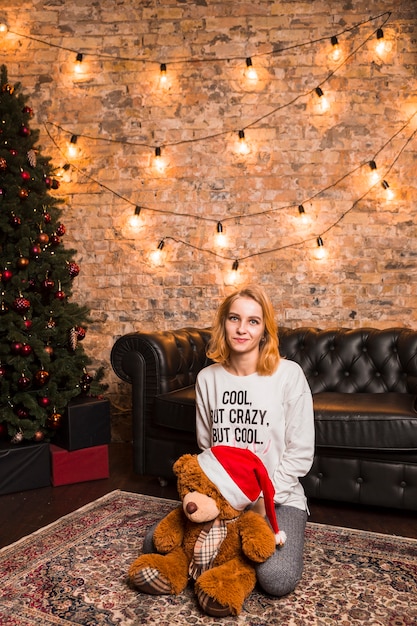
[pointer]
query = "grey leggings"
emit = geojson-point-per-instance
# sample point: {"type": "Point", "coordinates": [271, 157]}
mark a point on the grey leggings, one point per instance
{"type": "Point", "coordinates": [280, 574]}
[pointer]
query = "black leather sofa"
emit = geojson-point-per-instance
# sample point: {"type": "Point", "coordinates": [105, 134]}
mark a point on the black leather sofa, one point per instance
{"type": "Point", "coordinates": [364, 385]}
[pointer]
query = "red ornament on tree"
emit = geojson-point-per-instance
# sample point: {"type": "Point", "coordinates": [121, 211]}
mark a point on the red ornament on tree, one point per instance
{"type": "Point", "coordinates": [60, 295]}
{"type": "Point", "coordinates": [80, 332]}
{"type": "Point", "coordinates": [60, 230]}
{"type": "Point", "coordinates": [21, 305]}
{"type": "Point", "coordinates": [25, 175]}
{"type": "Point", "coordinates": [55, 240]}
{"type": "Point", "coordinates": [24, 131]}
{"type": "Point", "coordinates": [23, 382]}
{"type": "Point", "coordinates": [73, 269]}
{"type": "Point", "coordinates": [26, 349]}
{"type": "Point", "coordinates": [15, 221]}
{"type": "Point", "coordinates": [15, 347]}
{"type": "Point", "coordinates": [6, 275]}
{"type": "Point", "coordinates": [35, 250]}
{"type": "Point", "coordinates": [43, 401]}
{"type": "Point", "coordinates": [28, 324]}
{"type": "Point", "coordinates": [47, 284]}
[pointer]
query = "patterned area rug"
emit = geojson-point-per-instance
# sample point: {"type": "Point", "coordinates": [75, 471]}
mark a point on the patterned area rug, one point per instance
{"type": "Point", "coordinates": [74, 572]}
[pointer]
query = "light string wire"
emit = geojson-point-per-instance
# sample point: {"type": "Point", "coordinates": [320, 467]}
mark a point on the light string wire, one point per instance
{"type": "Point", "coordinates": [263, 117]}
{"type": "Point", "coordinates": [386, 15]}
{"type": "Point", "coordinates": [222, 133]}
{"type": "Point", "coordinates": [181, 60]}
{"type": "Point", "coordinates": [312, 197]}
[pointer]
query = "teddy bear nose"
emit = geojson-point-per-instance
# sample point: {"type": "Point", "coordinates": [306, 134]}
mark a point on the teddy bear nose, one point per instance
{"type": "Point", "coordinates": [191, 508]}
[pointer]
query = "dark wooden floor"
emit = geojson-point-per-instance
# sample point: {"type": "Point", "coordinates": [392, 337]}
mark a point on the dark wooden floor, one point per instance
{"type": "Point", "coordinates": [24, 512]}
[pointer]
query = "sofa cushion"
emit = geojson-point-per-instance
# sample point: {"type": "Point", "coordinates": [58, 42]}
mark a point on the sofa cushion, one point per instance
{"type": "Point", "coordinates": [361, 421]}
{"type": "Point", "coordinates": [176, 409]}
{"type": "Point", "coordinates": [371, 421]}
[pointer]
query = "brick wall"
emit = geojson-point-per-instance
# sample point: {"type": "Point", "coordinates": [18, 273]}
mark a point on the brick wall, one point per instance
{"type": "Point", "coordinates": [297, 155]}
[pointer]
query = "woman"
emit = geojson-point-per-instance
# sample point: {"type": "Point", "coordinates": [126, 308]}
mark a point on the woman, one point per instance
{"type": "Point", "coordinates": [252, 398]}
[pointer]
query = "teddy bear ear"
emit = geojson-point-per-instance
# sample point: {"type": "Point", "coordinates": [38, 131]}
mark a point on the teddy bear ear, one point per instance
{"type": "Point", "coordinates": [182, 462]}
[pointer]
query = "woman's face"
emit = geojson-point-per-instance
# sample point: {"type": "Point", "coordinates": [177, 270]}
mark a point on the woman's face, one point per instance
{"type": "Point", "coordinates": [244, 326]}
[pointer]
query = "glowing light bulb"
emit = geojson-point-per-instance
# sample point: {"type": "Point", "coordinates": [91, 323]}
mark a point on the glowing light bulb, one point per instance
{"type": "Point", "coordinates": [374, 176]}
{"type": "Point", "coordinates": [135, 221]}
{"type": "Point", "coordinates": [221, 238]}
{"type": "Point", "coordinates": [3, 28]}
{"type": "Point", "coordinates": [163, 75]}
{"type": "Point", "coordinates": [72, 147]}
{"type": "Point", "coordinates": [251, 73]}
{"type": "Point", "coordinates": [302, 214]}
{"type": "Point", "coordinates": [323, 104]}
{"type": "Point", "coordinates": [380, 42]}
{"type": "Point", "coordinates": [336, 53]}
{"type": "Point", "coordinates": [156, 256]}
{"type": "Point", "coordinates": [159, 161]}
{"type": "Point", "coordinates": [389, 194]}
{"type": "Point", "coordinates": [78, 68]}
{"type": "Point", "coordinates": [242, 147]}
{"type": "Point", "coordinates": [320, 250]}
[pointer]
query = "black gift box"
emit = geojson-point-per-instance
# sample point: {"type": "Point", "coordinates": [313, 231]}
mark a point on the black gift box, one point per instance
{"type": "Point", "coordinates": [24, 466]}
{"type": "Point", "coordinates": [86, 423]}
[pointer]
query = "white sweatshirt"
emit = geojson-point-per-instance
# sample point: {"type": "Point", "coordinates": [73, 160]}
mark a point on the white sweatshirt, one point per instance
{"type": "Point", "coordinates": [270, 415]}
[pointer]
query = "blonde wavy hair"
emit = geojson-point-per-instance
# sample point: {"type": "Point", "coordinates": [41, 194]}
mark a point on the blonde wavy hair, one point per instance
{"type": "Point", "coordinates": [218, 349]}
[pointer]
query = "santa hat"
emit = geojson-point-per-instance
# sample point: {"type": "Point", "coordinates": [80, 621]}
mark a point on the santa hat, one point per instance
{"type": "Point", "coordinates": [241, 478]}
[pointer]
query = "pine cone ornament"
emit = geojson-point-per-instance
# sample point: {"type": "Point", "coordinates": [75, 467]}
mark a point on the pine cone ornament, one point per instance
{"type": "Point", "coordinates": [73, 338]}
{"type": "Point", "coordinates": [32, 158]}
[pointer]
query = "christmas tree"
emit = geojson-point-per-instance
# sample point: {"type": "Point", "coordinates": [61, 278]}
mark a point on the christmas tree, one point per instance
{"type": "Point", "coordinates": [42, 363]}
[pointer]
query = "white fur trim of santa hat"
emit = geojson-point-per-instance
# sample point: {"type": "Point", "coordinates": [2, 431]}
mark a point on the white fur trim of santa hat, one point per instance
{"type": "Point", "coordinates": [241, 478]}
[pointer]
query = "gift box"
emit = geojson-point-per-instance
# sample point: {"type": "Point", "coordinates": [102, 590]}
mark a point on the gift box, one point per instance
{"type": "Point", "coordinates": [85, 423]}
{"type": "Point", "coordinates": [24, 466]}
{"type": "Point", "coordinates": [78, 466]}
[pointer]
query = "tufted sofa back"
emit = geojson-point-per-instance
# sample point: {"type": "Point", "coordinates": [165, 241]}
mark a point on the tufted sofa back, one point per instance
{"type": "Point", "coordinates": [354, 360]}
{"type": "Point", "coordinates": [343, 360]}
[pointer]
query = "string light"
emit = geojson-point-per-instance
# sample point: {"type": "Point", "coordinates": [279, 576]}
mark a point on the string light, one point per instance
{"type": "Point", "coordinates": [221, 239]}
{"type": "Point", "coordinates": [72, 149]}
{"type": "Point", "coordinates": [156, 255]}
{"type": "Point", "coordinates": [319, 92]}
{"type": "Point", "coordinates": [3, 28]}
{"type": "Point", "coordinates": [78, 63]}
{"type": "Point", "coordinates": [374, 174]}
{"type": "Point", "coordinates": [389, 192]}
{"type": "Point", "coordinates": [302, 214]}
{"type": "Point", "coordinates": [135, 220]}
{"type": "Point", "coordinates": [323, 102]}
{"type": "Point", "coordinates": [336, 52]}
{"type": "Point", "coordinates": [235, 265]}
{"type": "Point", "coordinates": [251, 73]}
{"type": "Point", "coordinates": [243, 147]}
{"type": "Point", "coordinates": [159, 162]}
{"type": "Point", "coordinates": [163, 75]}
{"type": "Point", "coordinates": [320, 252]}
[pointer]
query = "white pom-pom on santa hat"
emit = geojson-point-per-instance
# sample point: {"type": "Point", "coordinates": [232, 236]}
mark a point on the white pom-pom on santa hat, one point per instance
{"type": "Point", "coordinates": [241, 478]}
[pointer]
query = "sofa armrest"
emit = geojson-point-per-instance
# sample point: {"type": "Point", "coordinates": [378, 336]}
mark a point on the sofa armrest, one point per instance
{"type": "Point", "coordinates": [168, 360]}
{"type": "Point", "coordinates": [156, 363]}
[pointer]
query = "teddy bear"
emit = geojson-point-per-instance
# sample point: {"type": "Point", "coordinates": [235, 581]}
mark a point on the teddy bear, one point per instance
{"type": "Point", "coordinates": [212, 537]}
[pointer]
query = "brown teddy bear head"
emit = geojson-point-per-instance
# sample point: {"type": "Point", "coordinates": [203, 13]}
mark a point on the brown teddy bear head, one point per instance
{"type": "Point", "coordinates": [201, 500]}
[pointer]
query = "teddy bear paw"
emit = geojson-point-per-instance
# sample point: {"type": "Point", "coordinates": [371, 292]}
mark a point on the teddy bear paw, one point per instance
{"type": "Point", "coordinates": [211, 607]}
{"type": "Point", "coordinates": [149, 580]}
